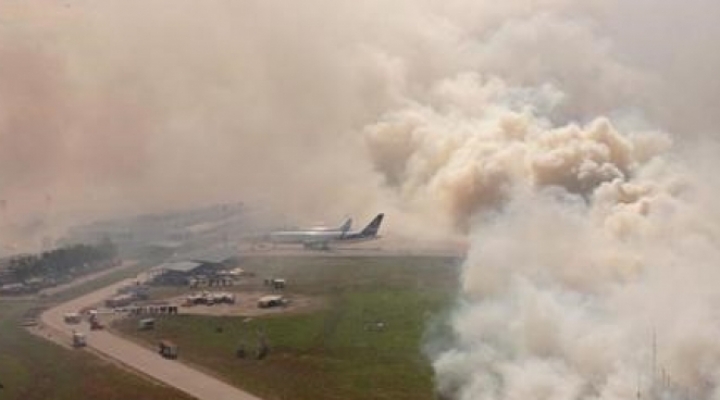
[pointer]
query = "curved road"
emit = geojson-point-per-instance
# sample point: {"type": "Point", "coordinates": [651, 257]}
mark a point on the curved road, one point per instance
{"type": "Point", "coordinates": [172, 373]}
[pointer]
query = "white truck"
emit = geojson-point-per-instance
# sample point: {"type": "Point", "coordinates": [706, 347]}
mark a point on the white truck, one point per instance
{"type": "Point", "coordinates": [78, 339]}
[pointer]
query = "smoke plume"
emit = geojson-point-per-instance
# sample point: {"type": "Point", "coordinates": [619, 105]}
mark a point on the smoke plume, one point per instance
{"type": "Point", "coordinates": [572, 141]}
{"type": "Point", "coordinates": [593, 239]}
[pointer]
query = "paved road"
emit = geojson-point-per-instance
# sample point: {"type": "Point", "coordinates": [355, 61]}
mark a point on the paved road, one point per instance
{"type": "Point", "coordinates": [172, 373]}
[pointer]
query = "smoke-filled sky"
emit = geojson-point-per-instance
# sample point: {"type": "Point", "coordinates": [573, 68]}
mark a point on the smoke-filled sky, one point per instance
{"type": "Point", "coordinates": [574, 142]}
{"type": "Point", "coordinates": [124, 106]}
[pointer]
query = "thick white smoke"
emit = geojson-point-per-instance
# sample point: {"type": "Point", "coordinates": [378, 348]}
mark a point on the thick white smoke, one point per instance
{"type": "Point", "coordinates": [477, 142]}
{"type": "Point", "coordinates": [587, 242]}
{"type": "Point", "coordinates": [593, 244]}
{"type": "Point", "coordinates": [561, 300]}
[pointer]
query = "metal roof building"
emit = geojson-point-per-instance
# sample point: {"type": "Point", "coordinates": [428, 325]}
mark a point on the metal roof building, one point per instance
{"type": "Point", "coordinates": [175, 273]}
{"type": "Point", "coordinates": [181, 267]}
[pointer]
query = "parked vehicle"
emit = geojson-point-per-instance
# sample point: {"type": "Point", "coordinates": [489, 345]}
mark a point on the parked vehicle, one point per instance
{"type": "Point", "coordinates": [271, 301]}
{"type": "Point", "coordinates": [146, 324]}
{"type": "Point", "coordinates": [78, 340]}
{"type": "Point", "coordinates": [72, 318]}
{"type": "Point", "coordinates": [168, 349]}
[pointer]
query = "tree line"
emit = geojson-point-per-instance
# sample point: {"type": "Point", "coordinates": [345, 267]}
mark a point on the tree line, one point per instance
{"type": "Point", "coordinates": [64, 261]}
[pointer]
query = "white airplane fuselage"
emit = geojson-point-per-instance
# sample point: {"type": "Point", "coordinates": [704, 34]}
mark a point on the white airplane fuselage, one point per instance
{"type": "Point", "coordinates": [304, 236]}
{"type": "Point", "coordinates": [321, 238]}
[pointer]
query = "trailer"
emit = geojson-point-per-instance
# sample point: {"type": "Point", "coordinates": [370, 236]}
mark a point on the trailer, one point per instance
{"type": "Point", "coordinates": [168, 349]}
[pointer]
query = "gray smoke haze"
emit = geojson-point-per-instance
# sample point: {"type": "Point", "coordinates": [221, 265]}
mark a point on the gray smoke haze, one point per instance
{"type": "Point", "coordinates": [573, 141]}
{"type": "Point", "coordinates": [126, 107]}
{"type": "Point", "coordinates": [591, 237]}
{"type": "Point", "coordinates": [133, 106]}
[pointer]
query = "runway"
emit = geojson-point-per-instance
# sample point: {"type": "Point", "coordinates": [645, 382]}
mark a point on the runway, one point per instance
{"type": "Point", "coordinates": [384, 247]}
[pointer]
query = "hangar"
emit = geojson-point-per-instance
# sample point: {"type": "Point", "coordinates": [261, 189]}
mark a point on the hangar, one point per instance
{"type": "Point", "coordinates": [176, 273]}
{"type": "Point", "coordinates": [219, 258]}
{"type": "Point", "coordinates": [197, 270]}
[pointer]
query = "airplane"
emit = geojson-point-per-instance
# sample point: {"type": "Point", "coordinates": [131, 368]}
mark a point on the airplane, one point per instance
{"type": "Point", "coordinates": [295, 235]}
{"type": "Point", "coordinates": [320, 239]}
{"type": "Point", "coordinates": [342, 228]}
{"type": "Point", "coordinates": [317, 228]}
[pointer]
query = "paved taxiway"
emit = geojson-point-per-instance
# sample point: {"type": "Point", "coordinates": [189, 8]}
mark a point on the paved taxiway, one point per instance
{"type": "Point", "coordinates": [170, 372]}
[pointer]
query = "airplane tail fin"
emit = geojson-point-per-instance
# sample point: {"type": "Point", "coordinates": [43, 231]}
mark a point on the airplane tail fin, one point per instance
{"type": "Point", "coordinates": [345, 227]}
{"type": "Point", "coordinates": [374, 226]}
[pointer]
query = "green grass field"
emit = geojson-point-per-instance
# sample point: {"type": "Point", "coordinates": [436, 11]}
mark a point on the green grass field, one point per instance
{"type": "Point", "coordinates": [33, 368]}
{"type": "Point", "coordinates": [332, 353]}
